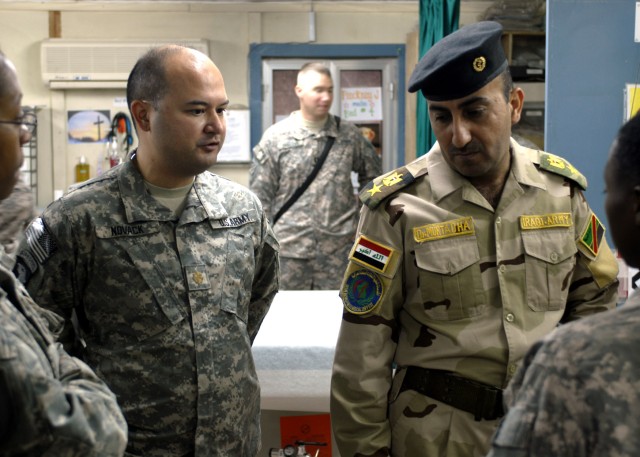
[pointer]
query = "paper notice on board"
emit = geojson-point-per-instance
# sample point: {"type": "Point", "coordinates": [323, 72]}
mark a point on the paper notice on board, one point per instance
{"type": "Point", "coordinates": [236, 147]}
{"type": "Point", "coordinates": [361, 103]}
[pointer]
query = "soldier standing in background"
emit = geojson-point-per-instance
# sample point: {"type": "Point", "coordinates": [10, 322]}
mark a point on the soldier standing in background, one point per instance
{"type": "Point", "coordinates": [50, 403]}
{"type": "Point", "coordinates": [167, 268]}
{"type": "Point", "coordinates": [317, 231]}
{"type": "Point", "coordinates": [464, 258]}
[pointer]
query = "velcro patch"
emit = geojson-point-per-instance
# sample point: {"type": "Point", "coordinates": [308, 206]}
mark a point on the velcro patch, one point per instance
{"type": "Point", "coordinates": [197, 277]}
{"type": "Point", "coordinates": [446, 229]}
{"type": "Point", "coordinates": [371, 254]}
{"type": "Point", "coordinates": [41, 243]}
{"type": "Point", "coordinates": [361, 291]}
{"type": "Point", "coordinates": [592, 236]}
{"type": "Point", "coordinates": [544, 221]}
{"type": "Point", "coordinates": [235, 221]}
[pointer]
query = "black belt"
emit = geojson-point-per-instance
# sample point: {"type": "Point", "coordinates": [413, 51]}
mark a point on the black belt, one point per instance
{"type": "Point", "coordinates": [481, 400]}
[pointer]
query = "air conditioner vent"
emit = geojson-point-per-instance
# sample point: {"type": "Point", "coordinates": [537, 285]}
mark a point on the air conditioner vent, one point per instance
{"type": "Point", "coordinates": [69, 63]}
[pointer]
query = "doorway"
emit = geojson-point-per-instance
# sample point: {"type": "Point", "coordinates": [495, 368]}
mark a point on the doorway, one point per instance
{"type": "Point", "coordinates": [367, 81]}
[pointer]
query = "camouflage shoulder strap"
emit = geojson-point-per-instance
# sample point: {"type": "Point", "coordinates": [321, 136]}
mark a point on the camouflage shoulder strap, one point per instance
{"type": "Point", "coordinates": [562, 167]}
{"type": "Point", "coordinates": [388, 184]}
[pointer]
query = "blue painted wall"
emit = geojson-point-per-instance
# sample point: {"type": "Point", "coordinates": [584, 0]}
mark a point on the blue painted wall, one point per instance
{"type": "Point", "coordinates": [591, 55]}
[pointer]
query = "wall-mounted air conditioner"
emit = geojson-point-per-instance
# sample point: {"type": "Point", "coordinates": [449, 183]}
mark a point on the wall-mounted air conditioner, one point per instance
{"type": "Point", "coordinates": [103, 64]}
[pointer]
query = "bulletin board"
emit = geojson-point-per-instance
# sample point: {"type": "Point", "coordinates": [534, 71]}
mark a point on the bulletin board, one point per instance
{"type": "Point", "coordinates": [236, 147]}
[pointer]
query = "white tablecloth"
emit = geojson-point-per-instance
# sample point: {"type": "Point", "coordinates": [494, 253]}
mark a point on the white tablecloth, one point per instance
{"type": "Point", "coordinates": [294, 350]}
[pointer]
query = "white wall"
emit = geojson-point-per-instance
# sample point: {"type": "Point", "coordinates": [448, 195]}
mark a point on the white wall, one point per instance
{"type": "Point", "coordinates": [230, 28]}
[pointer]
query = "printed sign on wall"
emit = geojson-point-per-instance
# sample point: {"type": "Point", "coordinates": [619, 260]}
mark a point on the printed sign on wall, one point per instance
{"type": "Point", "coordinates": [361, 104]}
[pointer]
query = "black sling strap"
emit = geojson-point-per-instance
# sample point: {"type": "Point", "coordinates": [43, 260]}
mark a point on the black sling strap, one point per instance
{"type": "Point", "coordinates": [300, 190]}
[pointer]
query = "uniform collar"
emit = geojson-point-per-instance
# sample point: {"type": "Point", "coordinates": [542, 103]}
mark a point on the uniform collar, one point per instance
{"type": "Point", "coordinates": [203, 201]}
{"type": "Point", "coordinates": [300, 133]}
{"type": "Point", "coordinates": [445, 180]}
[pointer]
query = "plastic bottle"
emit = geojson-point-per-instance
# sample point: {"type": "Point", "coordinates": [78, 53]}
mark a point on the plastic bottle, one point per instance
{"type": "Point", "coordinates": [82, 169]}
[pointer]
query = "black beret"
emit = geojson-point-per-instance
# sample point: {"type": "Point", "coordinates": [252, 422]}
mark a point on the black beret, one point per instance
{"type": "Point", "coordinates": [460, 63]}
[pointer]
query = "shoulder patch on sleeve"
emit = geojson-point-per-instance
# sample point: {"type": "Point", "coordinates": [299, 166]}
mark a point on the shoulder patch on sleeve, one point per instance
{"type": "Point", "coordinates": [592, 235]}
{"type": "Point", "coordinates": [388, 184]}
{"type": "Point", "coordinates": [600, 260]}
{"type": "Point", "coordinates": [40, 246]}
{"type": "Point", "coordinates": [562, 167]}
{"type": "Point", "coordinates": [361, 291]}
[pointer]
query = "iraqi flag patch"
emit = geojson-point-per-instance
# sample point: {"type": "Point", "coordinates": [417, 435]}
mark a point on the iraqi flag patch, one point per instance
{"type": "Point", "coordinates": [371, 254]}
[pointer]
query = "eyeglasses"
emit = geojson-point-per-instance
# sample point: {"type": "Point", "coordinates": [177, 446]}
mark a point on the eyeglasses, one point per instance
{"type": "Point", "coordinates": [28, 120]}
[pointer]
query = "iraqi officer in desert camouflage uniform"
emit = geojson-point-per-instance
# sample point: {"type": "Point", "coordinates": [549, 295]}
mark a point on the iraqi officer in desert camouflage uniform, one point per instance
{"type": "Point", "coordinates": [578, 391]}
{"type": "Point", "coordinates": [168, 269]}
{"type": "Point", "coordinates": [317, 231]}
{"type": "Point", "coordinates": [464, 258]}
{"type": "Point", "coordinates": [51, 404]}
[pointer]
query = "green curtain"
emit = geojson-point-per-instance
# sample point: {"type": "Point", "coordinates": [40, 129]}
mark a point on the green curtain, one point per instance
{"type": "Point", "coordinates": [438, 18]}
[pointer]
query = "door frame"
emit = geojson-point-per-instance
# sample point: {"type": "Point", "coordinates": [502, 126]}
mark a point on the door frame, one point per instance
{"type": "Point", "coordinates": [258, 52]}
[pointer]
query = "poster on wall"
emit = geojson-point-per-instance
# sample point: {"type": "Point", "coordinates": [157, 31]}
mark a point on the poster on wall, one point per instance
{"type": "Point", "coordinates": [631, 100]}
{"type": "Point", "coordinates": [88, 126]}
{"type": "Point", "coordinates": [361, 104]}
{"type": "Point", "coordinates": [236, 147]}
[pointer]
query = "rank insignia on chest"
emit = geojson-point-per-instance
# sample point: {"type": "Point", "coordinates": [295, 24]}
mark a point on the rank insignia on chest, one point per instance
{"type": "Point", "coordinates": [197, 278]}
{"type": "Point", "coordinates": [371, 254]}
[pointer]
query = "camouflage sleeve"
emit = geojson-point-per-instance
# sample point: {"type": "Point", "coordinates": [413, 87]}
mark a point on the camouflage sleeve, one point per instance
{"type": "Point", "coordinates": [594, 283]}
{"type": "Point", "coordinates": [264, 175]}
{"type": "Point", "coordinates": [266, 280]}
{"type": "Point", "coordinates": [16, 212]}
{"type": "Point", "coordinates": [571, 398]}
{"type": "Point", "coordinates": [68, 412]}
{"type": "Point", "coordinates": [45, 265]}
{"type": "Point", "coordinates": [367, 162]}
{"type": "Point", "coordinates": [372, 293]}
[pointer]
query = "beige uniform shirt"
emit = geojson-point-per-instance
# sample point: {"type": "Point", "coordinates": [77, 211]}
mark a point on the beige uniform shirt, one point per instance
{"type": "Point", "coordinates": [439, 279]}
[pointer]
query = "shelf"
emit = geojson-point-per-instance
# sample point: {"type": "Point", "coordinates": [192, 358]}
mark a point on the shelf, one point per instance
{"type": "Point", "coordinates": [525, 51]}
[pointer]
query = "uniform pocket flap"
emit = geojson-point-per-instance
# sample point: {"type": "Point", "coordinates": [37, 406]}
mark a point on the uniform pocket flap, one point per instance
{"type": "Point", "coordinates": [449, 256]}
{"type": "Point", "coordinates": [553, 248]}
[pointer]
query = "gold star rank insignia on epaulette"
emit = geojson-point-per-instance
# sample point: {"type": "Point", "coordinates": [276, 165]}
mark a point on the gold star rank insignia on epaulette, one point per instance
{"type": "Point", "coordinates": [374, 189]}
{"type": "Point", "coordinates": [384, 186]}
{"type": "Point", "coordinates": [592, 236]}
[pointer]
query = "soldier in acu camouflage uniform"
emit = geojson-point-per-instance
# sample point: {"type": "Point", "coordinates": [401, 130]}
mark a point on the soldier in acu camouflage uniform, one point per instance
{"type": "Point", "coordinates": [16, 212]}
{"type": "Point", "coordinates": [464, 258]}
{"type": "Point", "coordinates": [317, 231]}
{"type": "Point", "coordinates": [168, 269]}
{"type": "Point", "coordinates": [51, 404]}
{"type": "Point", "coordinates": [578, 391]}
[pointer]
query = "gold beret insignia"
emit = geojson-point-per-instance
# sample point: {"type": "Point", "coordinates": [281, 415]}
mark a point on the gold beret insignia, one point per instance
{"type": "Point", "coordinates": [479, 64]}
